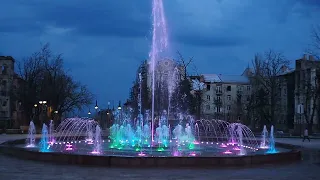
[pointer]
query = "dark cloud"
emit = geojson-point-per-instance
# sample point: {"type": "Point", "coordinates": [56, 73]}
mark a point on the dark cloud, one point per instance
{"type": "Point", "coordinates": [91, 18]}
{"type": "Point", "coordinates": [212, 41]}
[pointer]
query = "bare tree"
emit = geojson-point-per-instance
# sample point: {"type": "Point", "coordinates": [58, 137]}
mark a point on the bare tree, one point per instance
{"type": "Point", "coordinates": [45, 79]}
{"type": "Point", "coordinates": [266, 83]}
{"type": "Point", "coordinates": [184, 64]}
{"type": "Point", "coordinates": [315, 41]}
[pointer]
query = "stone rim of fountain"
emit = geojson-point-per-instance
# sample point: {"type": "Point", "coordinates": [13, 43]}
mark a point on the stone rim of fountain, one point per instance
{"type": "Point", "coordinates": [9, 148]}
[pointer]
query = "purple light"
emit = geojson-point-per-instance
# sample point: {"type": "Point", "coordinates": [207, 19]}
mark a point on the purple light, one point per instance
{"type": "Point", "coordinates": [223, 145]}
{"type": "Point", "coordinates": [176, 153]}
{"type": "Point", "coordinates": [69, 147]}
{"type": "Point", "coordinates": [264, 147]}
{"type": "Point", "coordinates": [141, 154]}
{"type": "Point", "coordinates": [227, 152]}
{"type": "Point", "coordinates": [193, 154]}
{"type": "Point", "coordinates": [236, 148]}
{"type": "Point", "coordinates": [95, 152]}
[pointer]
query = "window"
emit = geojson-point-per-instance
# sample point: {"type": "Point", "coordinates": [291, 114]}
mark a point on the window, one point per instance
{"type": "Point", "coordinates": [207, 107]}
{"type": "Point", "coordinates": [4, 103]}
{"type": "Point", "coordinates": [229, 97]}
{"type": "Point", "coordinates": [239, 118]}
{"type": "Point", "coordinates": [208, 97]}
{"type": "Point", "coordinates": [248, 88]}
{"type": "Point", "coordinates": [4, 69]}
{"type": "Point", "coordinates": [239, 89]}
{"type": "Point", "coordinates": [228, 88]}
{"type": "Point", "coordinates": [218, 89]}
{"type": "Point", "coordinates": [219, 98]}
{"type": "Point", "coordinates": [218, 109]}
{"type": "Point", "coordinates": [284, 91]}
{"type": "Point", "coordinates": [208, 87]}
{"type": "Point", "coordinates": [228, 107]}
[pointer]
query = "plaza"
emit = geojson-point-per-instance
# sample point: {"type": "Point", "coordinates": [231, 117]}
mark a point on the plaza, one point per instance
{"type": "Point", "coordinates": [13, 168]}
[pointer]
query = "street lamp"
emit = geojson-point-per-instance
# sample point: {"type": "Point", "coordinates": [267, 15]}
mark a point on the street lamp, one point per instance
{"type": "Point", "coordinates": [96, 107]}
{"type": "Point", "coordinates": [119, 106]}
{"type": "Point", "coordinates": [42, 104]}
{"type": "Point", "coordinates": [89, 113]}
{"type": "Point", "coordinates": [35, 105]}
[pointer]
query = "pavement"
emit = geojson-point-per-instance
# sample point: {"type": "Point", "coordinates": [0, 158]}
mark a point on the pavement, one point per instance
{"type": "Point", "coordinates": [15, 169]}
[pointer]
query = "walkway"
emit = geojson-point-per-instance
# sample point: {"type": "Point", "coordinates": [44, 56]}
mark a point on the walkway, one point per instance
{"type": "Point", "coordinates": [15, 169]}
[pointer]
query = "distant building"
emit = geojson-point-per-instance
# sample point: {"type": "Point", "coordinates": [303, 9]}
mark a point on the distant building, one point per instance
{"type": "Point", "coordinates": [166, 69]}
{"type": "Point", "coordinates": [286, 92]}
{"type": "Point", "coordinates": [225, 96]}
{"type": "Point", "coordinates": [11, 113]}
{"type": "Point", "coordinates": [307, 71]}
{"type": "Point", "coordinates": [6, 78]}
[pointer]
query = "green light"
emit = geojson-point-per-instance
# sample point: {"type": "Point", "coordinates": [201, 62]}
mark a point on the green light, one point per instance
{"type": "Point", "coordinates": [160, 149]}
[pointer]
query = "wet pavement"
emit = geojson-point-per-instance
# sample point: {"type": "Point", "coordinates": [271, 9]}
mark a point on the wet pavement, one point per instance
{"type": "Point", "coordinates": [15, 169]}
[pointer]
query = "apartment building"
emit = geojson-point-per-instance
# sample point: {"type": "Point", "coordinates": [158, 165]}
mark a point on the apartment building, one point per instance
{"type": "Point", "coordinates": [307, 81]}
{"type": "Point", "coordinates": [6, 79]}
{"type": "Point", "coordinates": [225, 96]}
{"type": "Point", "coordinates": [11, 112]}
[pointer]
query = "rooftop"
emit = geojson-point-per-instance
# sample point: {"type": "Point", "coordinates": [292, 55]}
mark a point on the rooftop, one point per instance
{"type": "Point", "coordinates": [213, 78]}
{"type": "Point", "coordinates": [6, 58]}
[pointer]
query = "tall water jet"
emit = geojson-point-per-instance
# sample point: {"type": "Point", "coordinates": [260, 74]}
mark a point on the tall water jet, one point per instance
{"type": "Point", "coordinates": [44, 145]}
{"type": "Point", "coordinates": [30, 142]}
{"type": "Point", "coordinates": [272, 147]}
{"type": "Point", "coordinates": [89, 132]}
{"type": "Point", "coordinates": [51, 132]}
{"type": "Point", "coordinates": [263, 144]}
{"type": "Point", "coordinates": [97, 144]}
{"type": "Point", "coordinates": [159, 45]}
{"type": "Point", "coordinates": [240, 134]}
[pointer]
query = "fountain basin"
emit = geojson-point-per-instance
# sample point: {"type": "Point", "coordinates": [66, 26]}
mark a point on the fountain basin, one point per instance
{"type": "Point", "coordinates": [14, 148]}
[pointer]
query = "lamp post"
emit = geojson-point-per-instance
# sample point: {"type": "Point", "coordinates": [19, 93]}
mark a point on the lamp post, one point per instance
{"type": "Point", "coordinates": [42, 109]}
{"type": "Point", "coordinates": [89, 113]}
{"type": "Point", "coordinates": [55, 115]}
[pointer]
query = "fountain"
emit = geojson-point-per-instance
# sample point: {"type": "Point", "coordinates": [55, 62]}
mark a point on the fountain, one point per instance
{"type": "Point", "coordinates": [51, 132]}
{"type": "Point", "coordinates": [97, 144]}
{"type": "Point", "coordinates": [31, 135]}
{"type": "Point", "coordinates": [158, 47]}
{"type": "Point", "coordinates": [44, 142]}
{"type": "Point", "coordinates": [148, 133]}
{"type": "Point", "coordinates": [272, 147]}
{"type": "Point", "coordinates": [240, 133]}
{"type": "Point", "coordinates": [263, 144]}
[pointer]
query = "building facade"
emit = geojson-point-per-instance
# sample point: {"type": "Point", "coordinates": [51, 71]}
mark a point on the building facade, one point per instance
{"type": "Point", "coordinates": [6, 79]}
{"type": "Point", "coordinates": [166, 70]}
{"type": "Point", "coordinates": [306, 99]}
{"type": "Point", "coordinates": [11, 111]}
{"type": "Point", "coordinates": [225, 97]}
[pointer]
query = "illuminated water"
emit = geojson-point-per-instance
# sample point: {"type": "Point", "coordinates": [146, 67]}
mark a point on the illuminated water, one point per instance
{"type": "Point", "coordinates": [30, 142]}
{"type": "Point", "coordinates": [51, 132]}
{"type": "Point", "coordinates": [272, 146]}
{"type": "Point", "coordinates": [150, 133]}
{"type": "Point", "coordinates": [264, 137]}
{"type": "Point", "coordinates": [44, 142]}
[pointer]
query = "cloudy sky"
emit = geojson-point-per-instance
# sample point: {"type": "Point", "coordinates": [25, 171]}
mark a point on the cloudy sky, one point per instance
{"type": "Point", "coordinates": [103, 41]}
